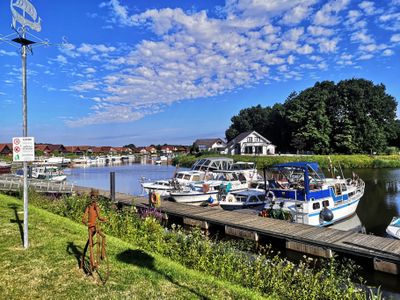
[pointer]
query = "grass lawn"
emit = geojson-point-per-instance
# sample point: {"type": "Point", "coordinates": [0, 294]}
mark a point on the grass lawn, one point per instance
{"type": "Point", "coordinates": [49, 268]}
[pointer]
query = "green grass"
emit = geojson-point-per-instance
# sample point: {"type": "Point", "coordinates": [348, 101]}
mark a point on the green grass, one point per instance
{"type": "Point", "coordinates": [49, 268]}
{"type": "Point", "coordinates": [345, 161]}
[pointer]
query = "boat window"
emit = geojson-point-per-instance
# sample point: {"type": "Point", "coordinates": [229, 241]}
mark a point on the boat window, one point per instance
{"type": "Point", "coordinates": [180, 176]}
{"type": "Point", "coordinates": [316, 205]}
{"type": "Point", "coordinates": [325, 203]}
{"type": "Point", "coordinates": [253, 199]}
{"type": "Point", "coordinates": [196, 178]}
{"type": "Point", "coordinates": [344, 187]}
{"type": "Point", "coordinates": [186, 177]}
{"type": "Point", "coordinates": [338, 190]}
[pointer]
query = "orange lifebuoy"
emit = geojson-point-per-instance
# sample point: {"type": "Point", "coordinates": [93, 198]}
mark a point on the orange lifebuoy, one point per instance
{"type": "Point", "coordinates": [155, 199]}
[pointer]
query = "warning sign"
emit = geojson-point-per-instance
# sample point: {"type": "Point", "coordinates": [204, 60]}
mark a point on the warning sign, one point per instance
{"type": "Point", "coordinates": [23, 149]}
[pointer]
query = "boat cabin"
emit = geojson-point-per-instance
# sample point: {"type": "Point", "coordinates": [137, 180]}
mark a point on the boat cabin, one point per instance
{"type": "Point", "coordinates": [211, 164]}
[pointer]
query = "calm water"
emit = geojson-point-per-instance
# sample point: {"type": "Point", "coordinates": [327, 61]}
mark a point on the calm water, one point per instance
{"type": "Point", "coordinates": [380, 203]}
{"type": "Point", "coordinates": [127, 176]}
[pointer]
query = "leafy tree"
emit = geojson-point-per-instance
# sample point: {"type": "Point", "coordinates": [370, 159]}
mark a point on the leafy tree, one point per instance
{"type": "Point", "coordinates": [352, 116]}
{"type": "Point", "coordinates": [132, 146]}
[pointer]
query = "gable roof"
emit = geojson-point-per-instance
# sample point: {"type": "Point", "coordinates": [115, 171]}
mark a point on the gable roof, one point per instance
{"type": "Point", "coordinates": [208, 142]}
{"type": "Point", "coordinates": [243, 135]}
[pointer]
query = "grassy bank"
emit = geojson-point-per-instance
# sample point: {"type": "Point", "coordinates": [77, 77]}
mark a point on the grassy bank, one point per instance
{"type": "Point", "coordinates": [49, 269]}
{"type": "Point", "coordinates": [356, 161]}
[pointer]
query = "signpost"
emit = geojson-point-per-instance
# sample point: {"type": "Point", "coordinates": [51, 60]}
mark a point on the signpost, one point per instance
{"type": "Point", "coordinates": [23, 149]}
{"type": "Point", "coordinates": [24, 13]}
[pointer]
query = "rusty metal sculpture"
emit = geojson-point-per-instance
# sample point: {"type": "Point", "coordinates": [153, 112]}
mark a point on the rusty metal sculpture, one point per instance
{"type": "Point", "coordinates": [96, 238]}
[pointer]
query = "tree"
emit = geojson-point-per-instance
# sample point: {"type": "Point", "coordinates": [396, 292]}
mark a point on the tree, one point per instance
{"type": "Point", "coordinates": [352, 116]}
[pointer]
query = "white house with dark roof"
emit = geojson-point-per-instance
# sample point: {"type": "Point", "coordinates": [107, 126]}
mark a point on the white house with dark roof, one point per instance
{"type": "Point", "coordinates": [250, 143]}
{"type": "Point", "coordinates": [215, 144]}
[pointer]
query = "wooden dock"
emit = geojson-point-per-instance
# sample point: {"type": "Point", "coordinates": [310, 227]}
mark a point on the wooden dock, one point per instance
{"type": "Point", "coordinates": [9, 183]}
{"type": "Point", "coordinates": [383, 253]}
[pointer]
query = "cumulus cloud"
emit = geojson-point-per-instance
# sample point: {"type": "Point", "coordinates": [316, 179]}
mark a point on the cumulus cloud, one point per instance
{"type": "Point", "coordinates": [192, 55]}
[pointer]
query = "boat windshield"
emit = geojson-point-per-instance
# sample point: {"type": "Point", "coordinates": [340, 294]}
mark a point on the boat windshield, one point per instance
{"type": "Point", "coordinates": [396, 223]}
{"type": "Point", "coordinates": [293, 175]}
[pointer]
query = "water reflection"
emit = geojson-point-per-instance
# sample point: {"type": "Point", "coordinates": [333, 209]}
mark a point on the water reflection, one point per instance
{"type": "Point", "coordinates": [381, 200]}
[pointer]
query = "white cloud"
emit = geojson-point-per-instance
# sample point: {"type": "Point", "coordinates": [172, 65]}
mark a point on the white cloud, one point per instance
{"type": "Point", "coordinates": [328, 46]}
{"type": "Point", "coordinates": [319, 31]}
{"type": "Point", "coordinates": [395, 38]}
{"type": "Point", "coordinates": [388, 52]}
{"type": "Point", "coordinates": [6, 53]}
{"type": "Point", "coordinates": [368, 7]}
{"type": "Point", "coordinates": [296, 15]}
{"type": "Point", "coordinates": [362, 36]}
{"type": "Point", "coordinates": [328, 14]}
{"type": "Point", "coordinates": [61, 59]}
{"type": "Point", "coordinates": [84, 87]}
{"type": "Point", "coordinates": [193, 55]}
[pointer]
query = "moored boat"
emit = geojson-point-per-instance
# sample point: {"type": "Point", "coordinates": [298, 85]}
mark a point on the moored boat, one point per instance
{"type": "Point", "coordinates": [242, 199]}
{"type": "Point", "coordinates": [5, 168]}
{"type": "Point", "coordinates": [300, 192]}
{"type": "Point", "coordinates": [393, 228]}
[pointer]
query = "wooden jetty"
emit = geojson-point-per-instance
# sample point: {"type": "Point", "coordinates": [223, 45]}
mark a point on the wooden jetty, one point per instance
{"type": "Point", "coordinates": [10, 183]}
{"type": "Point", "coordinates": [383, 253]}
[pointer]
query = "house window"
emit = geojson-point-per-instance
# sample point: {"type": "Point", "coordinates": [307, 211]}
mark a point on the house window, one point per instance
{"type": "Point", "coordinates": [249, 139]}
{"type": "Point", "coordinates": [248, 150]}
{"type": "Point", "coordinates": [258, 150]}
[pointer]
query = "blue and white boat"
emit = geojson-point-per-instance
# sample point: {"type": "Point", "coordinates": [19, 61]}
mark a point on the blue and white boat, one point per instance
{"type": "Point", "coordinates": [300, 192]}
{"type": "Point", "coordinates": [393, 228]}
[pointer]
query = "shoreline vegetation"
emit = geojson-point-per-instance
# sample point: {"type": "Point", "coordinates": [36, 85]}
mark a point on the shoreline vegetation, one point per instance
{"type": "Point", "coordinates": [352, 161]}
{"type": "Point", "coordinates": [149, 261]}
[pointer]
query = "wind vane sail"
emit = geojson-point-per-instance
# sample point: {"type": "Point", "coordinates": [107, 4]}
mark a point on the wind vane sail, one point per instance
{"type": "Point", "coordinates": [26, 8]}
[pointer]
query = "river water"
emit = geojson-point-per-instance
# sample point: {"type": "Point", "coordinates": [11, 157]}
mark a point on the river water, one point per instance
{"type": "Point", "coordinates": [381, 200]}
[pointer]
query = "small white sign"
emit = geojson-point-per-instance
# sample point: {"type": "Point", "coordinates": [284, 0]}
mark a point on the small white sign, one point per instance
{"type": "Point", "coordinates": [23, 149]}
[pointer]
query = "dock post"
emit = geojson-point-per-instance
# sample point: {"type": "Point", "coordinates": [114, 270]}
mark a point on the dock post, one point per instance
{"type": "Point", "coordinates": [112, 186]}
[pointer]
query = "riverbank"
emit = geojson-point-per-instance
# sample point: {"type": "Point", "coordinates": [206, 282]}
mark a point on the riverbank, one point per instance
{"type": "Point", "coordinates": [49, 268]}
{"type": "Point", "coordinates": [356, 161]}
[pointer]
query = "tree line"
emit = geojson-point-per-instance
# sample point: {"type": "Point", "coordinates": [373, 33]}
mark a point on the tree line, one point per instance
{"type": "Point", "coordinates": [352, 116]}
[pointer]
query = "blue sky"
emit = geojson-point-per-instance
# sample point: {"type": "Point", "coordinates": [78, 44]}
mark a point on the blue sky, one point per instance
{"type": "Point", "coordinates": [143, 72]}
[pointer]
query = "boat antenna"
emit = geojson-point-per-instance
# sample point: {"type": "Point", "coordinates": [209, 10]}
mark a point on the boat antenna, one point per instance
{"type": "Point", "coordinates": [341, 171]}
{"type": "Point", "coordinates": [331, 167]}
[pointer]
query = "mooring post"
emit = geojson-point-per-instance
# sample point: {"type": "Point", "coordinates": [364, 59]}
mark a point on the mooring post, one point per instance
{"type": "Point", "coordinates": [112, 186]}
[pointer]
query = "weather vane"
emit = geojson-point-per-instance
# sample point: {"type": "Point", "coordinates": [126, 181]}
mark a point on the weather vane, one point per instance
{"type": "Point", "coordinates": [27, 8]}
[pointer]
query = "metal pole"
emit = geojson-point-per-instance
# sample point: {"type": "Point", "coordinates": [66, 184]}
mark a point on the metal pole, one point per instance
{"type": "Point", "coordinates": [112, 186]}
{"type": "Point", "coordinates": [25, 134]}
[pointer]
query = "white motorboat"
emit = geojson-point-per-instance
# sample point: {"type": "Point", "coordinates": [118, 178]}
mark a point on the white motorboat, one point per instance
{"type": "Point", "coordinates": [242, 199]}
{"type": "Point", "coordinates": [211, 164]}
{"type": "Point", "coordinates": [51, 173]}
{"type": "Point", "coordinates": [205, 191]}
{"type": "Point", "coordinates": [180, 180]}
{"type": "Point", "coordinates": [300, 192]}
{"type": "Point", "coordinates": [5, 168]}
{"type": "Point", "coordinates": [393, 228]}
{"type": "Point", "coordinates": [248, 169]}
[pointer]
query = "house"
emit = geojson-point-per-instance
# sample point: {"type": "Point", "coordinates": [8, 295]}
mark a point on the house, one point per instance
{"type": "Point", "coordinates": [250, 143]}
{"type": "Point", "coordinates": [167, 149]}
{"type": "Point", "coordinates": [6, 149]}
{"type": "Point", "coordinates": [215, 144]}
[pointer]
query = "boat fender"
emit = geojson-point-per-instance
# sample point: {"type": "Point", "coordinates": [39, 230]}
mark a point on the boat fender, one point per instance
{"type": "Point", "coordinates": [230, 198]}
{"type": "Point", "coordinates": [270, 196]}
{"type": "Point", "coordinates": [326, 214]}
{"type": "Point", "coordinates": [210, 200]}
